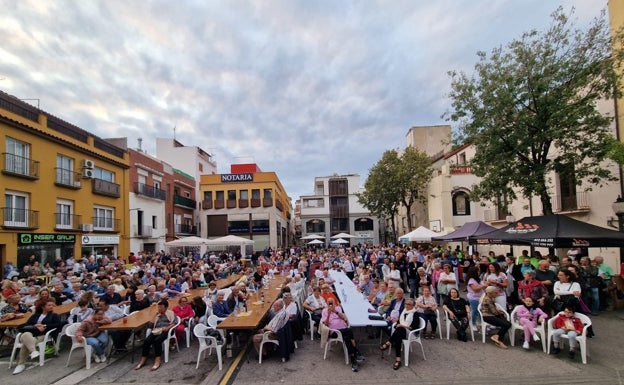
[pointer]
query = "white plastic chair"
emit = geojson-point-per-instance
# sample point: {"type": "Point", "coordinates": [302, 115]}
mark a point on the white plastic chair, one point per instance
{"type": "Point", "coordinates": [88, 349]}
{"type": "Point", "coordinates": [207, 343]}
{"type": "Point", "coordinates": [58, 339]}
{"type": "Point", "coordinates": [40, 346]}
{"type": "Point", "coordinates": [213, 321]}
{"type": "Point", "coordinates": [414, 336]}
{"type": "Point", "coordinates": [485, 324]}
{"type": "Point", "coordinates": [170, 335]}
{"type": "Point", "coordinates": [336, 339]}
{"type": "Point", "coordinates": [515, 325]}
{"type": "Point", "coordinates": [448, 326]}
{"type": "Point", "coordinates": [311, 324]}
{"type": "Point", "coordinates": [581, 339]}
{"type": "Point", "coordinates": [266, 339]}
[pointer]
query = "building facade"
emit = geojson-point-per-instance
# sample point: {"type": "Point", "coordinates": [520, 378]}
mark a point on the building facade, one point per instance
{"type": "Point", "coordinates": [65, 189]}
{"type": "Point", "coordinates": [334, 208]}
{"type": "Point", "coordinates": [248, 203]}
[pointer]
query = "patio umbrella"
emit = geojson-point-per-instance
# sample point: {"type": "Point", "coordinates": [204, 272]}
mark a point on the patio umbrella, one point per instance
{"type": "Point", "coordinates": [340, 240]}
{"type": "Point", "coordinates": [343, 235]}
{"type": "Point", "coordinates": [313, 236]}
{"type": "Point", "coordinates": [315, 242]}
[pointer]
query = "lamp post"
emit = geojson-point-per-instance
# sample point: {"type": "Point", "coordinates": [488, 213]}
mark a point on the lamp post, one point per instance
{"type": "Point", "coordinates": [618, 209]}
{"type": "Point", "coordinates": [510, 219]}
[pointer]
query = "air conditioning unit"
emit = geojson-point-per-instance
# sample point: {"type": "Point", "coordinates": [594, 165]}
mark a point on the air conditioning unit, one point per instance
{"type": "Point", "coordinates": [87, 163]}
{"type": "Point", "coordinates": [86, 227]}
{"type": "Point", "coordinates": [87, 173]}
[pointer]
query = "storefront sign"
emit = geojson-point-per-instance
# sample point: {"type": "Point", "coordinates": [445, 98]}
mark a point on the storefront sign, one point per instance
{"type": "Point", "coordinates": [230, 178]}
{"type": "Point", "coordinates": [100, 240]}
{"type": "Point", "coordinates": [37, 239]}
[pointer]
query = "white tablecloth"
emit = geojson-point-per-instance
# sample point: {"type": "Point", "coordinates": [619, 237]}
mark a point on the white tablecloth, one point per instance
{"type": "Point", "coordinates": [353, 302]}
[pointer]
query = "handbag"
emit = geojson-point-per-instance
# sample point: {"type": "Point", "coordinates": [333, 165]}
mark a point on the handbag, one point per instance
{"type": "Point", "coordinates": [157, 331]}
{"type": "Point", "coordinates": [429, 313]}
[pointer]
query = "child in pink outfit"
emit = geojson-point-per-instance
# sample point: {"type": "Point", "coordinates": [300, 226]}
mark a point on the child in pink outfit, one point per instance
{"type": "Point", "coordinates": [528, 316]}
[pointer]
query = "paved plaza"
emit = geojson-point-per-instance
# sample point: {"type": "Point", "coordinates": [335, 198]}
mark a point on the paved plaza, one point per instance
{"type": "Point", "coordinates": [448, 362]}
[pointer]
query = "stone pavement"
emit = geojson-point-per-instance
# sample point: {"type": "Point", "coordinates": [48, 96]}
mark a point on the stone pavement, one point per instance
{"type": "Point", "coordinates": [447, 362]}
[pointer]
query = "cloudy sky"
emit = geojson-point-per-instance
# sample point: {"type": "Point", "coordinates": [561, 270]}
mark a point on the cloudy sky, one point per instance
{"type": "Point", "coordinates": [302, 87]}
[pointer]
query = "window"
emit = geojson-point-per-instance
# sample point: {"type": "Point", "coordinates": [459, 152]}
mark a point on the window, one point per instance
{"type": "Point", "coordinates": [142, 179]}
{"type": "Point", "coordinates": [64, 170]}
{"type": "Point", "coordinates": [244, 195]}
{"type": "Point", "coordinates": [156, 185]}
{"type": "Point", "coordinates": [187, 194]}
{"type": "Point", "coordinates": [154, 222]}
{"type": "Point", "coordinates": [207, 195]}
{"type": "Point", "coordinates": [17, 156]}
{"type": "Point", "coordinates": [461, 203]}
{"type": "Point", "coordinates": [15, 209]}
{"type": "Point", "coordinates": [268, 193]}
{"type": "Point", "coordinates": [103, 218]}
{"type": "Point", "coordinates": [231, 195]}
{"type": "Point", "coordinates": [64, 218]}
{"type": "Point", "coordinates": [100, 173]}
{"type": "Point", "coordinates": [220, 196]}
{"type": "Point", "coordinates": [255, 194]}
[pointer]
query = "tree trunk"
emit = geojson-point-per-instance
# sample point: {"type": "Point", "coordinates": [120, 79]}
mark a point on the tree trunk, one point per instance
{"type": "Point", "coordinates": [547, 208]}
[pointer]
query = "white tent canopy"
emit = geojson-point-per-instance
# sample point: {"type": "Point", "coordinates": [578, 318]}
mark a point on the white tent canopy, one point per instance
{"type": "Point", "coordinates": [340, 240]}
{"type": "Point", "coordinates": [229, 240]}
{"type": "Point", "coordinates": [421, 234]}
{"type": "Point", "coordinates": [188, 241]}
{"type": "Point", "coordinates": [316, 242]}
{"type": "Point", "coordinates": [343, 235]}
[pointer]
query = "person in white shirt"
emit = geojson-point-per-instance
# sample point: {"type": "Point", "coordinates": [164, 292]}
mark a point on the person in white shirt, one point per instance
{"type": "Point", "coordinates": [349, 268]}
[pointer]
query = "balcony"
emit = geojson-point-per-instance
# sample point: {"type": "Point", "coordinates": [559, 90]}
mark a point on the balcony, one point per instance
{"type": "Point", "coordinates": [219, 204]}
{"type": "Point", "coordinates": [243, 203]}
{"type": "Point", "coordinates": [67, 178]}
{"type": "Point", "coordinates": [267, 202]}
{"type": "Point", "coordinates": [19, 218]}
{"type": "Point", "coordinates": [460, 169]}
{"type": "Point", "coordinates": [142, 231]}
{"type": "Point", "coordinates": [255, 202]}
{"type": "Point", "coordinates": [571, 203]}
{"type": "Point", "coordinates": [20, 166]}
{"type": "Point", "coordinates": [179, 200]}
{"type": "Point", "coordinates": [206, 204]}
{"type": "Point", "coordinates": [106, 224]}
{"type": "Point", "coordinates": [104, 187]}
{"type": "Point", "coordinates": [492, 215]}
{"type": "Point", "coordinates": [185, 229]}
{"type": "Point", "coordinates": [231, 203]}
{"type": "Point", "coordinates": [67, 222]}
{"type": "Point", "coordinates": [149, 191]}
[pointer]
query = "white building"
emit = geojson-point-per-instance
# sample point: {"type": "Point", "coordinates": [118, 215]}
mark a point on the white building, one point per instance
{"type": "Point", "coordinates": [334, 208]}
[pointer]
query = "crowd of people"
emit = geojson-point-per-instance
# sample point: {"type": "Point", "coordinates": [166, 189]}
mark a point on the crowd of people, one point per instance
{"type": "Point", "coordinates": [405, 285]}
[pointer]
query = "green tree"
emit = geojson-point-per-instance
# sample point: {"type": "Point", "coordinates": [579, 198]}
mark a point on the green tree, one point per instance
{"type": "Point", "coordinates": [394, 180]}
{"type": "Point", "coordinates": [531, 109]}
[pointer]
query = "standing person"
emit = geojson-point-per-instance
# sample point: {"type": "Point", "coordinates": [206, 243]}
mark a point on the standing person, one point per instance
{"type": "Point", "coordinates": [591, 292]}
{"type": "Point", "coordinates": [412, 275]}
{"type": "Point", "coordinates": [475, 290]}
{"type": "Point", "coordinates": [447, 280]}
{"type": "Point", "coordinates": [34, 331]}
{"type": "Point", "coordinates": [494, 316]}
{"type": "Point", "coordinates": [161, 324]}
{"type": "Point", "coordinates": [89, 331]}
{"type": "Point", "coordinates": [349, 268]}
{"type": "Point", "coordinates": [497, 279]}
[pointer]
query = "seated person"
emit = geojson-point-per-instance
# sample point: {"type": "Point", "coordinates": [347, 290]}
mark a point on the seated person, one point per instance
{"type": "Point", "coordinates": [328, 294]}
{"type": "Point", "coordinates": [531, 287]}
{"type": "Point", "coordinates": [152, 296]}
{"type": "Point", "coordinates": [221, 308]}
{"type": "Point", "coordinates": [210, 295]}
{"type": "Point", "coordinates": [237, 298]}
{"type": "Point", "coordinates": [567, 323]}
{"type": "Point", "coordinates": [60, 296]}
{"type": "Point", "coordinates": [407, 320]}
{"type": "Point", "coordinates": [334, 318]}
{"type": "Point", "coordinates": [366, 285]}
{"type": "Point", "coordinates": [111, 297]}
{"type": "Point", "coordinates": [34, 331]}
{"type": "Point", "coordinates": [457, 309]}
{"type": "Point", "coordinates": [394, 309]}
{"type": "Point", "coordinates": [315, 304]}
{"type": "Point", "coordinates": [199, 309]}
{"type": "Point", "coordinates": [185, 312]}
{"type": "Point", "coordinates": [278, 321]}
{"type": "Point", "coordinates": [529, 315]}
{"type": "Point", "coordinates": [426, 307]}
{"type": "Point", "coordinates": [89, 331]}
{"type": "Point", "coordinates": [494, 316]}
{"type": "Point", "coordinates": [173, 288]}
{"type": "Point", "coordinates": [139, 301]}
{"type": "Point", "coordinates": [162, 322]}
{"type": "Point", "coordinates": [14, 308]}
{"type": "Point", "coordinates": [81, 312]}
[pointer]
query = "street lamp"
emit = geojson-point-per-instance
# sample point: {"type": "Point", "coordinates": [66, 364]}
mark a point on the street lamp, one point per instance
{"type": "Point", "coordinates": [618, 209]}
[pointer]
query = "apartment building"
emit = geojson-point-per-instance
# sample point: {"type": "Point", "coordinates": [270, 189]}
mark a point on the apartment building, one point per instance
{"type": "Point", "coordinates": [249, 203]}
{"type": "Point", "coordinates": [65, 189]}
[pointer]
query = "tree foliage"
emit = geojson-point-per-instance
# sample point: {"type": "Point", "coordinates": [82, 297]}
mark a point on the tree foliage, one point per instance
{"type": "Point", "coordinates": [531, 109]}
{"type": "Point", "coordinates": [394, 180]}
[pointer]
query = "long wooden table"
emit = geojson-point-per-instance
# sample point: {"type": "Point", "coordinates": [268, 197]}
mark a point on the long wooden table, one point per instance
{"type": "Point", "coordinates": [256, 310]}
{"type": "Point", "coordinates": [17, 322]}
{"type": "Point", "coordinates": [228, 281]}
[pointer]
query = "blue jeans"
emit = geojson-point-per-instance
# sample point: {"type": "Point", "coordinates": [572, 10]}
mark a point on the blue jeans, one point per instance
{"type": "Point", "coordinates": [593, 293]}
{"type": "Point", "coordinates": [98, 343]}
{"type": "Point", "coordinates": [474, 310]}
{"type": "Point", "coordinates": [413, 288]}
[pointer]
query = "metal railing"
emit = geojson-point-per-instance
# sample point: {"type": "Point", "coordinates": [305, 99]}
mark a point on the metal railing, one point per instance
{"type": "Point", "coordinates": [149, 191]}
{"type": "Point", "coordinates": [19, 165]}
{"type": "Point", "coordinates": [577, 202]}
{"type": "Point", "coordinates": [67, 177]}
{"type": "Point", "coordinates": [106, 224]}
{"type": "Point", "coordinates": [183, 201]}
{"type": "Point", "coordinates": [64, 221]}
{"type": "Point", "coordinates": [19, 218]}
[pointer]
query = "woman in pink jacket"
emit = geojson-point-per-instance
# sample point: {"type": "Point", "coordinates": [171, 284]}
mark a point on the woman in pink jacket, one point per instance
{"type": "Point", "coordinates": [529, 316]}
